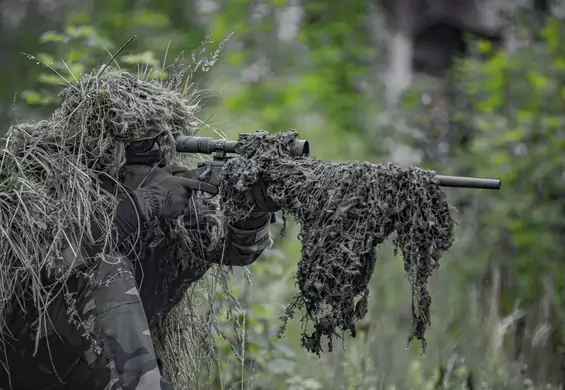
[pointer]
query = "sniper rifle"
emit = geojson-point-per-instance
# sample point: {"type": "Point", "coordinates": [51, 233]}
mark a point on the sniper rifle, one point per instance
{"type": "Point", "coordinates": [209, 170]}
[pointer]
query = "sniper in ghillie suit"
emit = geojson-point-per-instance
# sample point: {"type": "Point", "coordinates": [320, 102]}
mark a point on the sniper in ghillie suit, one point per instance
{"type": "Point", "coordinates": [97, 263]}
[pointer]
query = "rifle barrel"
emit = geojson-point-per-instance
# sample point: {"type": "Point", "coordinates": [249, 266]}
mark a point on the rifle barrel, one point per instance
{"type": "Point", "coordinates": [468, 182]}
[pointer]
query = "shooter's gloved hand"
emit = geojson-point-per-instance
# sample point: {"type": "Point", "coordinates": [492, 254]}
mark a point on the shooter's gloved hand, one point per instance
{"type": "Point", "coordinates": [263, 209]}
{"type": "Point", "coordinates": [164, 196]}
{"type": "Point", "coordinates": [261, 199]}
{"type": "Point", "coordinates": [170, 197]}
{"type": "Point", "coordinates": [195, 218]}
{"type": "Point", "coordinates": [246, 239]}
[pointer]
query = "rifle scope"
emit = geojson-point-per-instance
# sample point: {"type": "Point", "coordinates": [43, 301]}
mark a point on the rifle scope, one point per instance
{"type": "Point", "coordinates": [206, 145]}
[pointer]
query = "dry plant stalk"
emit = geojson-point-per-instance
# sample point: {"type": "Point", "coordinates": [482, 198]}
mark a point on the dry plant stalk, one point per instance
{"type": "Point", "coordinates": [345, 211]}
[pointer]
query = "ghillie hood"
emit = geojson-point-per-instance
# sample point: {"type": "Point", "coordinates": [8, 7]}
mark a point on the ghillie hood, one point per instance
{"type": "Point", "coordinates": [49, 171]}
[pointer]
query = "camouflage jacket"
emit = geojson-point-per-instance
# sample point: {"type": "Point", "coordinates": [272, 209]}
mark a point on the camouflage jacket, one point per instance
{"type": "Point", "coordinates": [97, 330]}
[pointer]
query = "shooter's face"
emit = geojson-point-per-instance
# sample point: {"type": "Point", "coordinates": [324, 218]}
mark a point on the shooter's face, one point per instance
{"type": "Point", "coordinates": [146, 151]}
{"type": "Point", "coordinates": [141, 156]}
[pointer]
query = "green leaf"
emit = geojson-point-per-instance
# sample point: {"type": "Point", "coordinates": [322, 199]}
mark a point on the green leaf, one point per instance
{"type": "Point", "coordinates": [485, 46]}
{"type": "Point", "coordinates": [145, 58]}
{"type": "Point", "coordinates": [37, 98]}
{"type": "Point", "coordinates": [559, 64]}
{"type": "Point", "coordinates": [412, 99]}
{"type": "Point", "coordinates": [552, 34]}
{"type": "Point", "coordinates": [51, 79]}
{"type": "Point", "coordinates": [538, 80]}
{"type": "Point", "coordinates": [237, 58]}
{"type": "Point", "coordinates": [150, 18]}
{"type": "Point", "coordinates": [515, 134]}
{"type": "Point", "coordinates": [51, 36]}
{"type": "Point", "coordinates": [77, 55]}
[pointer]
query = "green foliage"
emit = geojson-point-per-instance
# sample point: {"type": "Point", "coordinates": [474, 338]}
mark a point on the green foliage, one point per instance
{"type": "Point", "coordinates": [324, 84]}
{"type": "Point", "coordinates": [516, 106]}
{"type": "Point", "coordinates": [509, 104]}
{"type": "Point", "coordinates": [74, 51]}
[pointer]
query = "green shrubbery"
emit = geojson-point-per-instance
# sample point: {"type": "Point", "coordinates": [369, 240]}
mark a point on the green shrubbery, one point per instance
{"type": "Point", "coordinates": [497, 299]}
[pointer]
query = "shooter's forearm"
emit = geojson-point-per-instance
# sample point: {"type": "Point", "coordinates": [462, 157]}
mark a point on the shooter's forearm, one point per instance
{"type": "Point", "coordinates": [245, 241]}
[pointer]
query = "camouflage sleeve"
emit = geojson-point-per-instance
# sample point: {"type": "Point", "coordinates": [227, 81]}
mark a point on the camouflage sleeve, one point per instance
{"type": "Point", "coordinates": [246, 240]}
{"type": "Point", "coordinates": [122, 356]}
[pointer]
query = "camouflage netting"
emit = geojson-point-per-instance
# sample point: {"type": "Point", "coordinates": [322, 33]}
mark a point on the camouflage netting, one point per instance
{"type": "Point", "coordinates": [47, 171]}
{"type": "Point", "coordinates": [345, 210]}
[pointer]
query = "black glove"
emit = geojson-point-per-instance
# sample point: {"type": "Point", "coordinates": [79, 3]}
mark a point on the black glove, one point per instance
{"type": "Point", "coordinates": [260, 198]}
{"type": "Point", "coordinates": [164, 196]}
{"type": "Point", "coordinates": [170, 197]}
{"type": "Point", "coordinates": [263, 210]}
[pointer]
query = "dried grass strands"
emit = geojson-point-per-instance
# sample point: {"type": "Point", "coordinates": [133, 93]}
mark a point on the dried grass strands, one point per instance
{"type": "Point", "coordinates": [47, 171]}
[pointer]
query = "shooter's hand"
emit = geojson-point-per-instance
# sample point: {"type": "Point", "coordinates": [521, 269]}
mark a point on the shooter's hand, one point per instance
{"type": "Point", "coordinates": [158, 194]}
{"type": "Point", "coordinates": [170, 197]}
{"type": "Point", "coordinates": [195, 216]}
{"type": "Point", "coordinates": [261, 199]}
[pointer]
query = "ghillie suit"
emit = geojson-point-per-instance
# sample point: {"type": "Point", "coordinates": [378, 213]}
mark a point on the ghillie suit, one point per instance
{"type": "Point", "coordinates": [345, 210]}
{"type": "Point", "coordinates": [60, 184]}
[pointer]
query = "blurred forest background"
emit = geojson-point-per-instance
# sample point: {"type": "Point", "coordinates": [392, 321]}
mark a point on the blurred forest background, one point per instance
{"type": "Point", "coordinates": [473, 88]}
